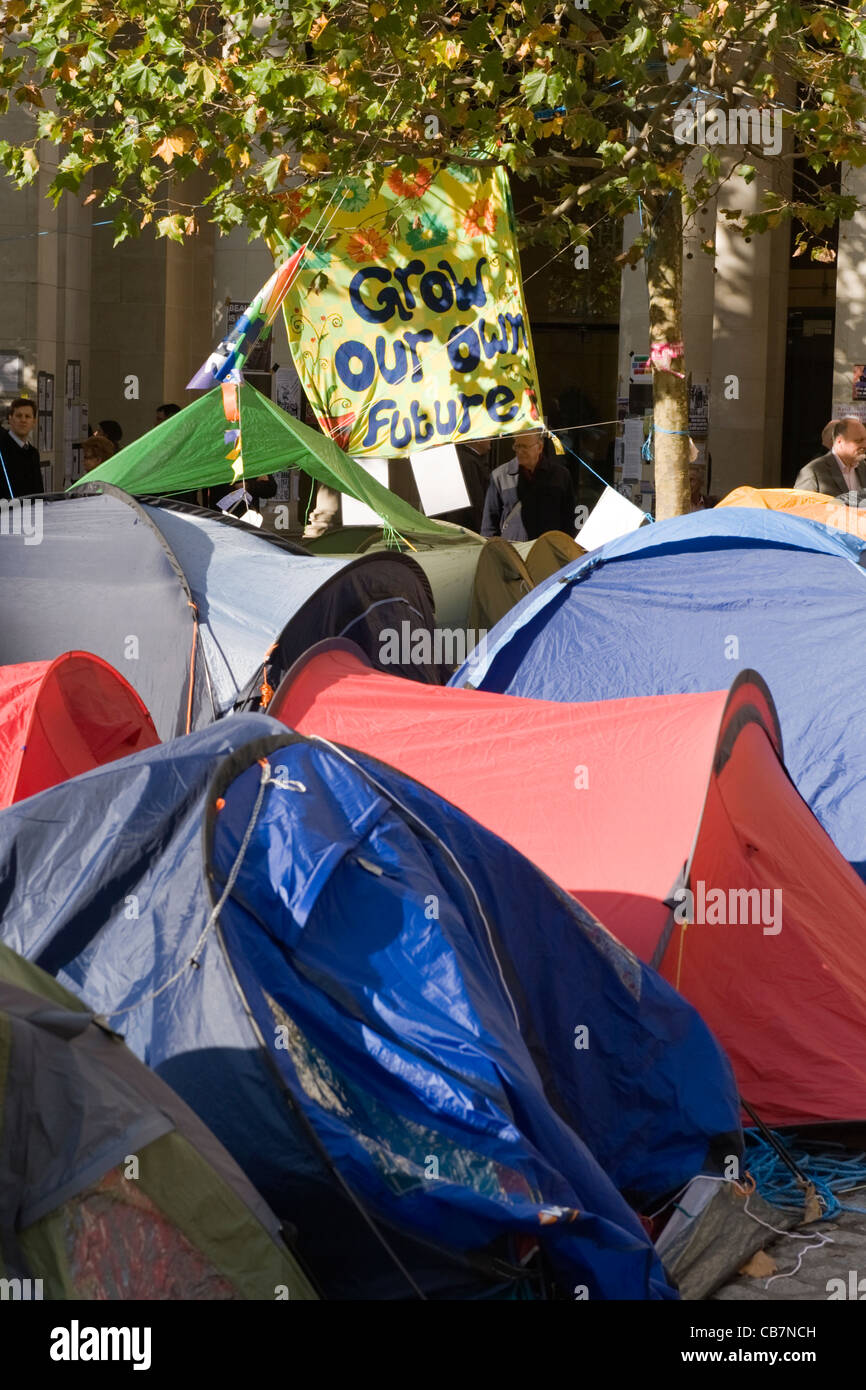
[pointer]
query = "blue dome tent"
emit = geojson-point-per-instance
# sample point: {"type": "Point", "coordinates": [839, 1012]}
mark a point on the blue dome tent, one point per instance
{"type": "Point", "coordinates": [683, 606]}
{"type": "Point", "coordinates": [379, 1008]}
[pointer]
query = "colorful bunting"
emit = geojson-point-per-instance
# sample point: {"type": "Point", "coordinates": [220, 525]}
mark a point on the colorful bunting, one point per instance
{"type": "Point", "coordinates": [226, 364]}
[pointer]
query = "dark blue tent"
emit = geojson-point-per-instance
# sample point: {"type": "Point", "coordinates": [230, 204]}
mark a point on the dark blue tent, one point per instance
{"type": "Point", "coordinates": [426, 1056]}
{"type": "Point", "coordinates": [684, 605]}
{"type": "Point", "coordinates": [187, 604]}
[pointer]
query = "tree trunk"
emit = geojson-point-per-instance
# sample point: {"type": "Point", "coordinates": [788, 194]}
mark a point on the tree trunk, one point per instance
{"type": "Point", "coordinates": [664, 264]}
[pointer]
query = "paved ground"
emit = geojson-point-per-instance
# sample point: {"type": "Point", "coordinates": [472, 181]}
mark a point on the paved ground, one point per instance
{"type": "Point", "coordinates": [843, 1252]}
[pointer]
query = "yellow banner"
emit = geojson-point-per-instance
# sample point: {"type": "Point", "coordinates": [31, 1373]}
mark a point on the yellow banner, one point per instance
{"type": "Point", "coordinates": [407, 322]}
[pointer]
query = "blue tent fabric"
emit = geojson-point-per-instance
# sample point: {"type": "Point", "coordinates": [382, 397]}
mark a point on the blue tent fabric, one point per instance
{"type": "Point", "coordinates": [685, 605]}
{"type": "Point", "coordinates": [371, 1002]}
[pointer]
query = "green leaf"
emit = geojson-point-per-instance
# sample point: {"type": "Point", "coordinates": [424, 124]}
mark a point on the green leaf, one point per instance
{"type": "Point", "coordinates": [270, 172]}
{"type": "Point", "coordinates": [639, 40]}
{"type": "Point", "coordinates": [200, 77]}
{"type": "Point", "coordinates": [171, 227]}
{"type": "Point", "coordinates": [534, 87]}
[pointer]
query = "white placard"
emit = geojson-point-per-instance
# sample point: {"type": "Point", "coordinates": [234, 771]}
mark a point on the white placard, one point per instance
{"type": "Point", "coordinates": [613, 515]}
{"type": "Point", "coordinates": [856, 408]}
{"type": "Point", "coordinates": [357, 513]}
{"type": "Point", "coordinates": [632, 462]}
{"type": "Point", "coordinates": [440, 481]}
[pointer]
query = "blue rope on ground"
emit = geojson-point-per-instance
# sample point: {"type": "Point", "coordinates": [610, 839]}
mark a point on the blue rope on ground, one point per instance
{"type": "Point", "coordinates": [830, 1173]}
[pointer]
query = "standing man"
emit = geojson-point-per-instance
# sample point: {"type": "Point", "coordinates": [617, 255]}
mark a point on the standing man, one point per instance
{"type": "Point", "coordinates": [843, 469]}
{"type": "Point", "coordinates": [20, 474]}
{"type": "Point", "coordinates": [528, 495]}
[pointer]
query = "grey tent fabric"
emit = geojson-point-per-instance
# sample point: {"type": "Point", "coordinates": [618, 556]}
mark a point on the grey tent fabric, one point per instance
{"type": "Point", "coordinates": [246, 590]}
{"type": "Point", "coordinates": [187, 604]}
{"type": "Point", "coordinates": [103, 580]}
{"type": "Point", "coordinates": [715, 1229]}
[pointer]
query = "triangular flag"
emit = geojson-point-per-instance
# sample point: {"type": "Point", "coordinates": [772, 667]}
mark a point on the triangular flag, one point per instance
{"type": "Point", "coordinates": [227, 363]}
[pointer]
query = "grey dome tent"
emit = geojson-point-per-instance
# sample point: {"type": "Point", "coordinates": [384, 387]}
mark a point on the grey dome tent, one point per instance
{"type": "Point", "coordinates": [187, 604]}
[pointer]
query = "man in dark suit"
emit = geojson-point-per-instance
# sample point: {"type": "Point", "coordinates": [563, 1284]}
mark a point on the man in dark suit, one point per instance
{"type": "Point", "coordinates": [20, 474]}
{"type": "Point", "coordinates": [843, 468]}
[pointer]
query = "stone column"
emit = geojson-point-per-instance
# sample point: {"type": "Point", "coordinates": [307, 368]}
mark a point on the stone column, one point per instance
{"type": "Point", "coordinates": [699, 286]}
{"type": "Point", "coordinates": [749, 339]}
{"type": "Point", "coordinates": [850, 344]}
{"type": "Point", "coordinates": [634, 309]}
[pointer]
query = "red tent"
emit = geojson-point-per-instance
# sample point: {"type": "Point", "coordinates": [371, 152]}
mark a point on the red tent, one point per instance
{"type": "Point", "coordinates": [623, 802]}
{"type": "Point", "coordinates": [59, 718]}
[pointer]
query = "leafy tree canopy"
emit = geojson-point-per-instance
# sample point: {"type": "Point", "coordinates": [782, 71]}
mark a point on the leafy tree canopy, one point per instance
{"type": "Point", "coordinates": [266, 101]}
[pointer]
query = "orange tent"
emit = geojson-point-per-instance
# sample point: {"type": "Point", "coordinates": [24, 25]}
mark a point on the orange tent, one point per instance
{"type": "Point", "coordinates": [635, 806]}
{"type": "Point", "coordinates": [59, 718]}
{"type": "Point", "coordinates": [811, 506]}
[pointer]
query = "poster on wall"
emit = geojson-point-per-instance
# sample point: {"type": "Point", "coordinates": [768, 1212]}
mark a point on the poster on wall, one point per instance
{"type": "Point", "coordinates": [858, 390]}
{"type": "Point", "coordinates": [640, 372]}
{"type": "Point", "coordinates": [73, 378]}
{"type": "Point", "coordinates": [699, 409]}
{"type": "Point", "coordinates": [10, 373]}
{"type": "Point", "coordinates": [288, 391]}
{"type": "Point", "coordinates": [45, 412]}
{"type": "Point", "coordinates": [632, 463]}
{"type": "Point", "coordinates": [843, 408]}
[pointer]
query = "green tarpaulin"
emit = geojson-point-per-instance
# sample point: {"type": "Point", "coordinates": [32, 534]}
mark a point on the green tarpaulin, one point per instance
{"type": "Point", "coordinates": [189, 451]}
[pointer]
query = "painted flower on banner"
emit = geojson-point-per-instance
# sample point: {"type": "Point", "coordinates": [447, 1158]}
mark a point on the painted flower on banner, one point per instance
{"type": "Point", "coordinates": [354, 194]}
{"type": "Point", "coordinates": [426, 231]}
{"type": "Point", "coordinates": [367, 245]}
{"type": "Point", "coordinates": [410, 185]}
{"type": "Point", "coordinates": [480, 219]}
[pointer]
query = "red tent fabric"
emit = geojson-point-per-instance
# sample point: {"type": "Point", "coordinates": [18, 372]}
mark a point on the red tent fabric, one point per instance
{"type": "Point", "coordinates": [622, 802]}
{"type": "Point", "coordinates": [59, 718]}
